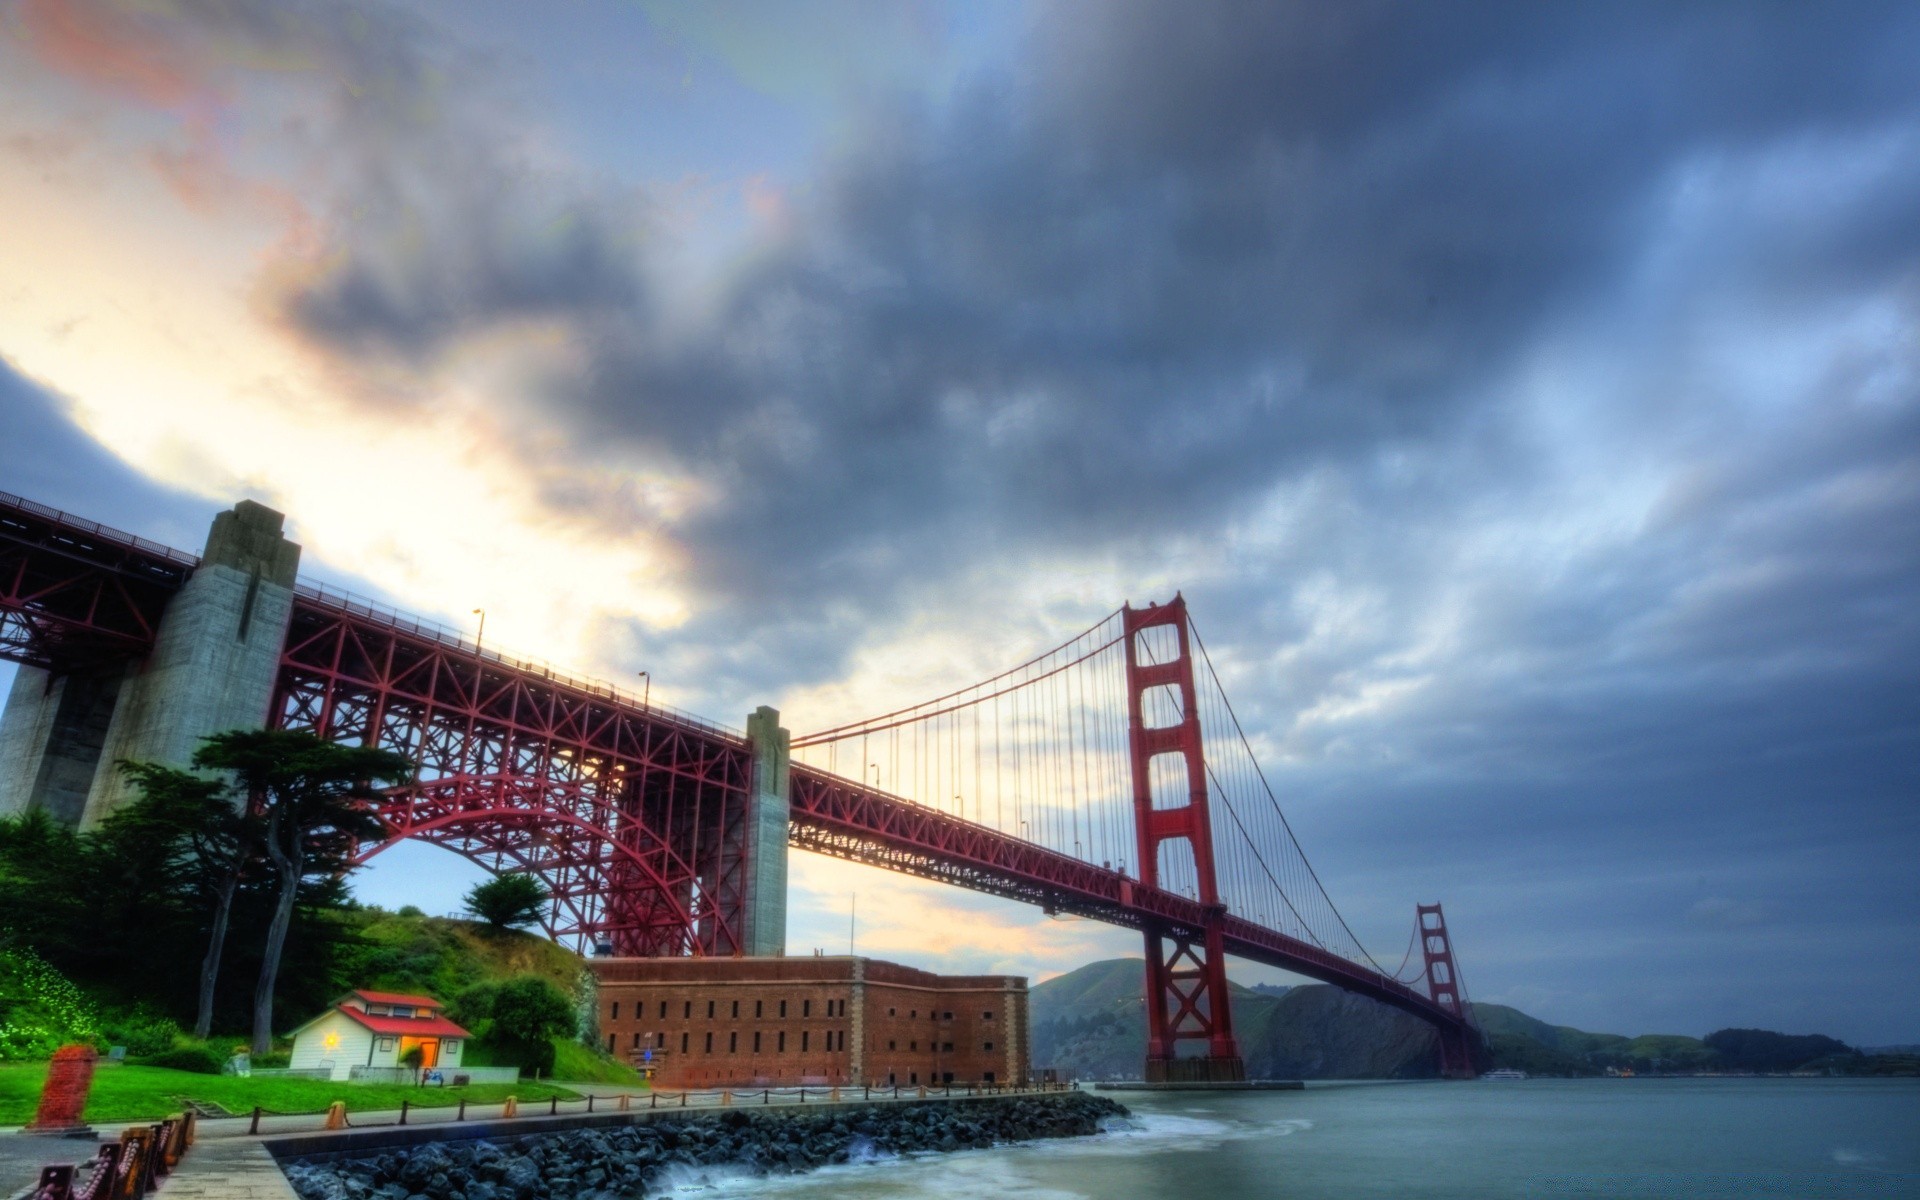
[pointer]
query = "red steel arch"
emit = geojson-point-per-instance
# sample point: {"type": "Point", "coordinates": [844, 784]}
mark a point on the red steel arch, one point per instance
{"type": "Point", "coordinates": [634, 818]}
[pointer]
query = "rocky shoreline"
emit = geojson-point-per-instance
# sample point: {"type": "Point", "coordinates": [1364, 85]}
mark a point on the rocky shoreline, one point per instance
{"type": "Point", "coordinates": [626, 1161]}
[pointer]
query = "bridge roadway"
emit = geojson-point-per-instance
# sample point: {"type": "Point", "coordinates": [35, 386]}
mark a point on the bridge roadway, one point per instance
{"type": "Point", "coordinates": [73, 593]}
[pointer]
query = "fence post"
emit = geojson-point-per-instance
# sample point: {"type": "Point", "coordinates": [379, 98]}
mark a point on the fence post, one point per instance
{"type": "Point", "coordinates": [589, 1101]}
{"type": "Point", "coordinates": [403, 1111]}
{"type": "Point", "coordinates": [253, 1126]}
{"type": "Point", "coordinates": [553, 1108]}
{"type": "Point", "coordinates": [463, 1110]}
{"type": "Point", "coordinates": [766, 1097]}
{"type": "Point", "coordinates": [683, 1099]}
{"type": "Point", "coordinates": [56, 1183]}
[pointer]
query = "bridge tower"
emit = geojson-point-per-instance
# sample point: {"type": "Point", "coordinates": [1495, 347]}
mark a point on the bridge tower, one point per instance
{"type": "Point", "coordinates": [212, 665]}
{"type": "Point", "coordinates": [1186, 984]}
{"type": "Point", "coordinates": [1443, 984]}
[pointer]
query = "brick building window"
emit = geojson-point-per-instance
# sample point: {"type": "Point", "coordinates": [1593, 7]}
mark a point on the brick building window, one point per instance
{"type": "Point", "coordinates": [946, 1016]}
{"type": "Point", "coordinates": [756, 1009]}
{"type": "Point", "coordinates": [892, 1011]}
{"type": "Point", "coordinates": [913, 1045]}
{"type": "Point", "coordinates": [733, 1043]}
{"type": "Point", "coordinates": [892, 1045]}
{"type": "Point", "coordinates": [988, 1046]}
{"type": "Point", "coordinates": [709, 1041]}
{"type": "Point", "coordinates": [756, 1042]}
{"type": "Point", "coordinates": [709, 1009]}
{"type": "Point", "coordinates": [609, 1043]}
{"type": "Point", "coordinates": [986, 1016]}
{"type": "Point", "coordinates": [783, 1008]}
{"type": "Point", "coordinates": [736, 1010]}
{"type": "Point", "coordinates": [914, 1015]}
{"type": "Point", "coordinates": [804, 1039]}
{"type": "Point", "coordinates": [683, 1043]}
{"type": "Point", "coordinates": [616, 1010]}
{"type": "Point", "coordinates": [806, 1008]}
{"type": "Point", "coordinates": [660, 1039]}
{"type": "Point", "coordinates": [947, 1047]}
{"type": "Point", "coordinates": [782, 1045]}
{"type": "Point", "coordinates": [686, 1011]}
{"type": "Point", "coordinates": [636, 1039]}
{"type": "Point", "coordinates": [663, 1010]}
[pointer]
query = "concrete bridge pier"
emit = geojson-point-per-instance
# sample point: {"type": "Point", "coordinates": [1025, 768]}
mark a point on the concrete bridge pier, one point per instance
{"type": "Point", "coordinates": [764, 907]}
{"type": "Point", "coordinates": [212, 668]}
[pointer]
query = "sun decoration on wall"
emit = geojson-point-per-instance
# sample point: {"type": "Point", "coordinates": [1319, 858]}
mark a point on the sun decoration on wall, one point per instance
{"type": "Point", "coordinates": [331, 1041]}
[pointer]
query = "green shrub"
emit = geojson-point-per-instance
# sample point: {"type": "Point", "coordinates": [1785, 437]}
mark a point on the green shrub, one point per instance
{"type": "Point", "coordinates": [40, 1010]}
{"type": "Point", "coordinates": [143, 1032]}
{"type": "Point", "coordinates": [528, 1008]}
{"type": "Point", "coordinates": [273, 1058]}
{"type": "Point", "coordinates": [188, 1055]}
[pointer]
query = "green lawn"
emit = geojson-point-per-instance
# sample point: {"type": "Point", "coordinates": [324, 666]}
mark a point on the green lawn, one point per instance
{"type": "Point", "coordinates": [129, 1093]}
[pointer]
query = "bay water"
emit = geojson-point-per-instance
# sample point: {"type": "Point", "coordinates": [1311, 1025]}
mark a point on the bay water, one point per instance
{"type": "Point", "coordinates": [1710, 1139]}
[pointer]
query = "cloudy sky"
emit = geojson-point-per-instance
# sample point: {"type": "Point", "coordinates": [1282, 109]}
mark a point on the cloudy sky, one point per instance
{"type": "Point", "coordinates": [1527, 399]}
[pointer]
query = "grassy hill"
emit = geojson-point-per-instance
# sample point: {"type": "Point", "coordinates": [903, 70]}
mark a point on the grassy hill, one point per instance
{"type": "Point", "coordinates": [446, 958]}
{"type": "Point", "coordinates": [443, 956]}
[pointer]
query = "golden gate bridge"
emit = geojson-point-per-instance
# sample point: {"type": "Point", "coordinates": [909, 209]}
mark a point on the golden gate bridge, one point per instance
{"type": "Point", "coordinates": [1109, 777]}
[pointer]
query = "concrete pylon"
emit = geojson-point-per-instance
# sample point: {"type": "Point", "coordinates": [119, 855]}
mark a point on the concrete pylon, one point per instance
{"type": "Point", "coordinates": [51, 733]}
{"type": "Point", "coordinates": [764, 912]}
{"type": "Point", "coordinates": [216, 658]}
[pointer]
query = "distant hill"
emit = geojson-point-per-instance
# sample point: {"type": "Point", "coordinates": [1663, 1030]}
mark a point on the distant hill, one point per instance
{"type": "Point", "coordinates": [1091, 1023]}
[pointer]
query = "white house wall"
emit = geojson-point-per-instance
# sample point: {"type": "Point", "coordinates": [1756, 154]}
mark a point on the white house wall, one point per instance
{"type": "Point", "coordinates": [310, 1050]}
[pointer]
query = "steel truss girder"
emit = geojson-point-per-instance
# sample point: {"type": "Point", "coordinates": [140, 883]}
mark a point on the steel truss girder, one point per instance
{"type": "Point", "coordinates": [74, 595]}
{"type": "Point", "coordinates": [635, 822]}
{"type": "Point", "coordinates": [846, 819]}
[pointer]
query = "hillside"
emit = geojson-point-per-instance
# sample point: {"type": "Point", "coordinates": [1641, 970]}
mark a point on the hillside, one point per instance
{"type": "Point", "coordinates": [1092, 1023]}
{"type": "Point", "coordinates": [443, 956]}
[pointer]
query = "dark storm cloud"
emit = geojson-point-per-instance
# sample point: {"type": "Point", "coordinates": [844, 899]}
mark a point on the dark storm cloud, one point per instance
{"type": "Point", "coordinates": [1186, 251]}
{"type": "Point", "coordinates": [47, 458]}
{"type": "Point", "coordinates": [1453, 288]}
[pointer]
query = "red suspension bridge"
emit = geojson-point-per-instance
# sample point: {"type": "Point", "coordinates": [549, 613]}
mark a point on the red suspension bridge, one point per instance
{"type": "Point", "coordinates": [1108, 778]}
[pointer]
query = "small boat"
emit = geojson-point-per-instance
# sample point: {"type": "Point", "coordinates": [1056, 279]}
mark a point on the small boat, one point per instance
{"type": "Point", "coordinates": [1504, 1074]}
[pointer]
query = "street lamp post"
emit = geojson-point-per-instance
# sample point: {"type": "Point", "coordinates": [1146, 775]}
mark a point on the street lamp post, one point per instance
{"type": "Point", "coordinates": [646, 697]}
{"type": "Point", "coordinates": [480, 638]}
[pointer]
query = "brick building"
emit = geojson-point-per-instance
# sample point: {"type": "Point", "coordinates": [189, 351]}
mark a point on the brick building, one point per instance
{"type": "Point", "coordinates": [757, 1022]}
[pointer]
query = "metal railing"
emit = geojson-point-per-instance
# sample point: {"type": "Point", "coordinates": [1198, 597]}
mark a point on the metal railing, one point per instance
{"type": "Point", "coordinates": [122, 1170]}
{"type": "Point", "coordinates": [266, 1121]}
{"type": "Point", "coordinates": [385, 614]}
{"type": "Point", "coordinates": [105, 533]}
{"type": "Point", "coordinates": [393, 618]}
{"type": "Point", "coordinates": [424, 1076]}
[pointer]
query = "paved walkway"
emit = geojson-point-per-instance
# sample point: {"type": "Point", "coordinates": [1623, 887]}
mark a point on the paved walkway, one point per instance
{"type": "Point", "coordinates": [228, 1163]}
{"type": "Point", "coordinates": [22, 1156]}
{"type": "Point", "coordinates": [232, 1169]}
